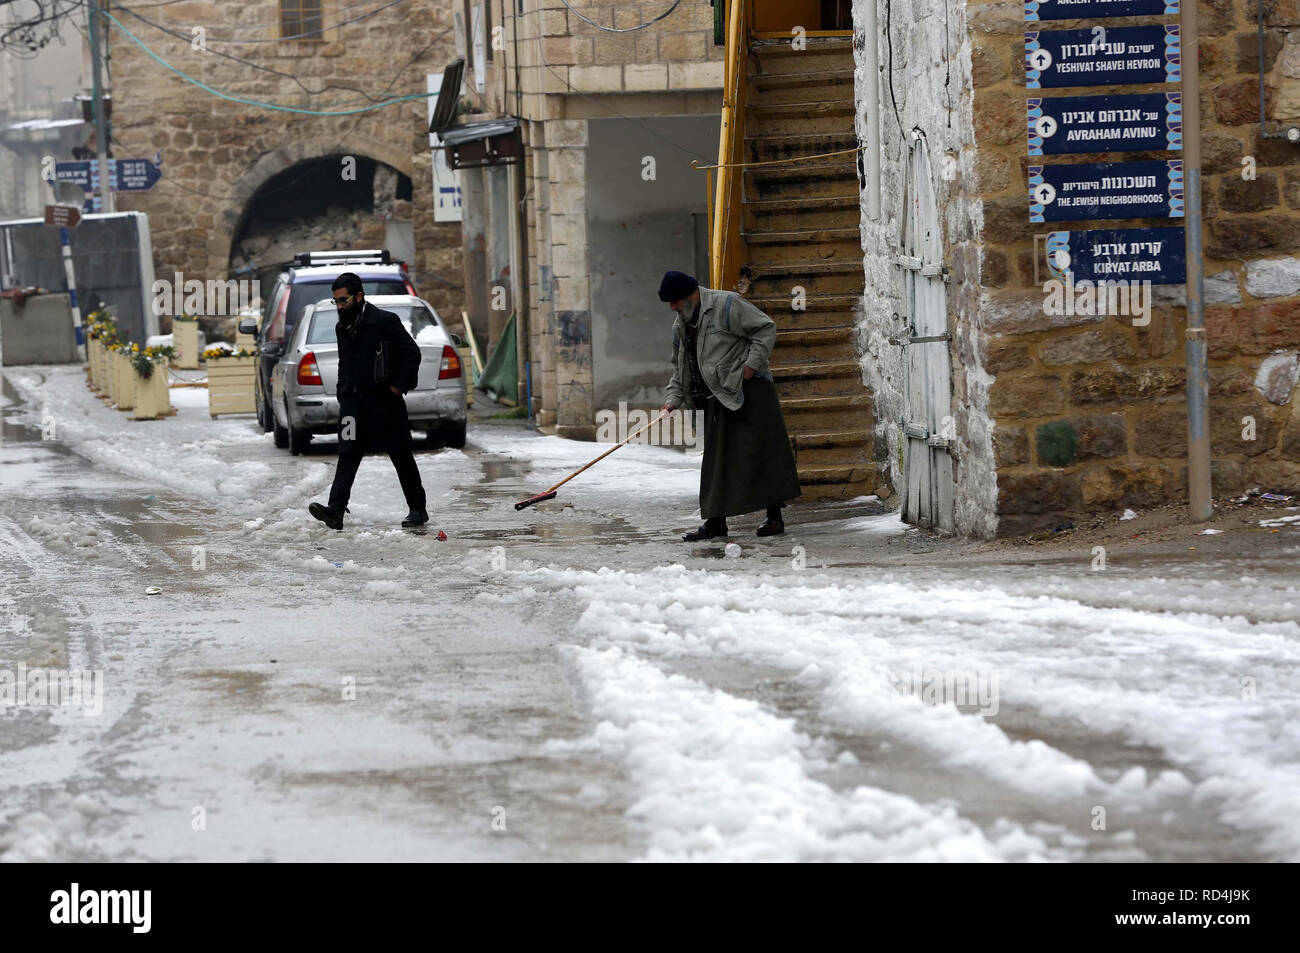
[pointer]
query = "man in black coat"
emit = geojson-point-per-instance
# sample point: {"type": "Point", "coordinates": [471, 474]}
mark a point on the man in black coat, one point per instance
{"type": "Point", "coordinates": [378, 363]}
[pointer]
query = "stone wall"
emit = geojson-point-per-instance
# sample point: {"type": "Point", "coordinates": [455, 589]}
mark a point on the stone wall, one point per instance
{"type": "Point", "coordinates": [217, 154]}
{"type": "Point", "coordinates": [931, 69]}
{"type": "Point", "coordinates": [559, 53]}
{"type": "Point", "coordinates": [1090, 411]}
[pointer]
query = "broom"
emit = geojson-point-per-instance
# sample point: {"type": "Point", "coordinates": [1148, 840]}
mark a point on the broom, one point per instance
{"type": "Point", "coordinates": [550, 494]}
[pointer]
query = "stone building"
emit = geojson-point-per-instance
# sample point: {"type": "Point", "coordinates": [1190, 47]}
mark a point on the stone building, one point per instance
{"type": "Point", "coordinates": [245, 186]}
{"type": "Point", "coordinates": [1055, 413]}
{"type": "Point", "coordinates": [602, 199]}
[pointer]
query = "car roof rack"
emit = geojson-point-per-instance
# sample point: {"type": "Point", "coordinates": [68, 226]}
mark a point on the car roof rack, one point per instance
{"type": "Point", "coordinates": [369, 256]}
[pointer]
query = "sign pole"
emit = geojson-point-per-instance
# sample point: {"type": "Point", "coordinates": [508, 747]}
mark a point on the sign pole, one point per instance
{"type": "Point", "coordinates": [1198, 383]}
{"type": "Point", "coordinates": [70, 272]}
{"type": "Point", "coordinates": [97, 103]}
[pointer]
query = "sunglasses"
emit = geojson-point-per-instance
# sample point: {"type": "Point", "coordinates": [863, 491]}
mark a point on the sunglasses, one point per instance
{"type": "Point", "coordinates": [340, 302]}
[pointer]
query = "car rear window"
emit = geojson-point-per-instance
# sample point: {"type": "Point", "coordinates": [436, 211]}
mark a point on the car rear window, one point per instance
{"type": "Point", "coordinates": [414, 317]}
{"type": "Point", "coordinates": [303, 293]}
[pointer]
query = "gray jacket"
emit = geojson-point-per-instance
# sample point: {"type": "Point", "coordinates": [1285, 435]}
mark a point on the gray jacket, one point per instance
{"type": "Point", "coordinates": [729, 338]}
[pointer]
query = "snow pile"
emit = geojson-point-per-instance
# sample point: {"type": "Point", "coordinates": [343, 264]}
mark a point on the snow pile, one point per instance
{"type": "Point", "coordinates": [1181, 682]}
{"type": "Point", "coordinates": [721, 779]}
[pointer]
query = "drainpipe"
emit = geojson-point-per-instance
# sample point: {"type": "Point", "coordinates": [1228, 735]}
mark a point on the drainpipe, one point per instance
{"type": "Point", "coordinates": [1198, 383]}
{"type": "Point", "coordinates": [871, 66]}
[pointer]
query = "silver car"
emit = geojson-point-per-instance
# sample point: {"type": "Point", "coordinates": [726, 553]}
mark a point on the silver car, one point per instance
{"type": "Point", "coordinates": [304, 383]}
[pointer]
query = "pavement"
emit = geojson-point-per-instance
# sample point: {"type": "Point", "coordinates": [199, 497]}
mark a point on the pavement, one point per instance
{"type": "Point", "coordinates": [575, 683]}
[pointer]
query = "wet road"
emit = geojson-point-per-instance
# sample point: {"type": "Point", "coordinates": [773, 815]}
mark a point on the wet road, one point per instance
{"type": "Point", "coordinates": [573, 682]}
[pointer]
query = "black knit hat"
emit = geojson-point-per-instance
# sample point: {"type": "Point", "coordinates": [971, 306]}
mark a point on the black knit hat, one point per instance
{"type": "Point", "coordinates": [676, 286]}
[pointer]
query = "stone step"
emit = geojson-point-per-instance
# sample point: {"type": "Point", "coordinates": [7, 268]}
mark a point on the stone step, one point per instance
{"type": "Point", "coordinates": [816, 386]}
{"type": "Point", "coordinates": [820, 244]}
{"type": "Point", "coordinates": [846, 475]}
{"type": "Point", "coordinates": [800, 118]}
{"type": "Point", "coordinates": [821, 54]}
{"type": "Point", "coordinates": [809, 369]}
{"type": "Point", "coordinates": [766, 147]}
{"type": "Point", "coordinates": [814, 178]}
{"type": "Point", "coordinates": [820, 439]}
{"type": "Point", "coordinates": [834, 344]}
{"type": "Point", "coordinates": [831, 85]}
{"type": "Point", "coordinates": [849, 454]}
{"type": "Point", "coordinates": [842, 210]}
{"type": "Point", "coordinates": [842, 276]}
{"type": "Point", "coordinates": [827, 412]}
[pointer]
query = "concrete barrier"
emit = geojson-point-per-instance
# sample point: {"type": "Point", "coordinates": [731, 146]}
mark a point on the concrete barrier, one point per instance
{"type": "Point", "coordinates": [37, 332]}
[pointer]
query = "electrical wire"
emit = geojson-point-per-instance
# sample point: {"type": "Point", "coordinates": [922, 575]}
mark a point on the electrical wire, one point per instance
{"type": "Point", "coordinates": [600, 100]}
{"type": "Point", "coordinates": [889, 44]}
{"type": "Point", "coordinates": [267, 69]}
{"type": "Point", "coordinates": [277, 39]}
{"type": "Point", "coordinates": [630, 29]}
{"type": "Point", "coordinates": [253, 102]}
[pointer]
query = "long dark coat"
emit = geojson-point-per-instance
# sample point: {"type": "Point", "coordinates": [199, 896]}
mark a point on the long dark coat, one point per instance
{"type": "Point", "coordinates": [381, 424]}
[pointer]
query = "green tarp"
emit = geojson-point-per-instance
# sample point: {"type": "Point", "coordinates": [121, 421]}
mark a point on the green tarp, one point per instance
{"type": "Point", "coordinates": [500, 376]}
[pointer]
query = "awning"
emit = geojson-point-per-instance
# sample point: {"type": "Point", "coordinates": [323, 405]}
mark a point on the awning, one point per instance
{"type": "Point", "coordinates": [488, 142]}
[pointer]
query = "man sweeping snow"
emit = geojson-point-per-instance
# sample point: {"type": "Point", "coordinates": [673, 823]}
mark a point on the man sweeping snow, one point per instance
{"type": "Point", "coordinates": [721, 346]}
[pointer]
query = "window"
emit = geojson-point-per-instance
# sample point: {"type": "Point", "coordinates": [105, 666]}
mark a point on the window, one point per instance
{"type": "Point", "coordinates": [301, 19]}
{"type": "Point", "coordinates": [415, 318]}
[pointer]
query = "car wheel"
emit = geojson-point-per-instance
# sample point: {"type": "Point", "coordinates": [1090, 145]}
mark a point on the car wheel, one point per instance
{"type": "Point", "coordinates": [454, 435]}
{"type": "Point", "coordinates": [265, 416]}
{"type": "Point", "coordinates": [299, 440]}
{"type": "Point", "coordinates": [281, 433]}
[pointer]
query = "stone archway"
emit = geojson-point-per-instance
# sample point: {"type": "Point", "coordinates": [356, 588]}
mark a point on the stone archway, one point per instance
{"type": "Point", "coordinates": [230, 216]}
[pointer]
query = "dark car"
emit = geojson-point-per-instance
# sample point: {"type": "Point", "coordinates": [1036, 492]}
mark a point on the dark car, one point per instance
{"type": "Point", "coordinates": [304, 282]}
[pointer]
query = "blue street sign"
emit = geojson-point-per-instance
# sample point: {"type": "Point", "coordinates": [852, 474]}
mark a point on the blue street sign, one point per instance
{"type": "Point", "coordinates": [1096, 9]}
{"type": "Point", "coordinates": [1157, 255]}
{"type": "Point", "coordinates": [1071, 193]}
{"type": "Point", "coordinates": [1141, 122]}
{"type": "Point", "coordinates": [1118, 56]}
{"type": "Point", "coordinates": [128, 175]}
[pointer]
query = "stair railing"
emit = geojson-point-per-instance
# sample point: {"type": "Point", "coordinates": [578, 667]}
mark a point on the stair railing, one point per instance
{"type": "Point", "coordinates": [725, 201]}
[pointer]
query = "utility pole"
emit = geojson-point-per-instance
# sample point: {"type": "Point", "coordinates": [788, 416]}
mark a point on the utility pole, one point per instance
{"type": "Point", "coordinates": [1198, 383]}
{"type": "Point", "coordinates": [94, 14]}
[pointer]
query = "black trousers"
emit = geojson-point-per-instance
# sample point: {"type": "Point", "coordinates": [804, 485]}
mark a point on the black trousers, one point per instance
{"type": "Point", "coordinates": [403, 462]}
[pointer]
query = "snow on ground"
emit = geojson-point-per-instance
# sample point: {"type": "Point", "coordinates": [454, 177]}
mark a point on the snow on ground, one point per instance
{"type": "Point", "coordinates": [722, 779]}
{"type": "Point", "coordinates": [755, 706]}
{"type": "Point", "coordinates": [1167, 679]}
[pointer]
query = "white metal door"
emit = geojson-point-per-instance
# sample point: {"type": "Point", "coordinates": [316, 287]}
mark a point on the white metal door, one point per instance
{"type": "Point", "coordinates": [928, 424]}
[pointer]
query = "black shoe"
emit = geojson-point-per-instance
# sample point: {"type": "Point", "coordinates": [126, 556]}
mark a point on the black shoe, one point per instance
{"type": "Point", "coordinates": [709, 529]}
{"type": "Point", "coordinates": [772, 526]}
{"type": "Point", "coordinates": [327, 515]}
{"type": "Point", "coordinates": [416, 518]}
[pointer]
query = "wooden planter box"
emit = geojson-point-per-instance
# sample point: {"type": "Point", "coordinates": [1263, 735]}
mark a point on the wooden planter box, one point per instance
{"type": "Point", "coordinates": [152, 396]}
{"type": "Point", "coordinates": [123, 382]}
{"type": "Point", "coordinates": [230, 385]}
{"type": "Point", "coordinates": [108, 368]}
{"type": "Point", "coordinates": [185, 338]}
{"type": "Point", "coordinates": [92, 361]}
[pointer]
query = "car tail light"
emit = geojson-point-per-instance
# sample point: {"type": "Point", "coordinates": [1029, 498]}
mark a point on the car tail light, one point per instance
{"type": "Point", "coordinates": [450, 363]}
{"type": "Point", "coordinates": [308, 370]}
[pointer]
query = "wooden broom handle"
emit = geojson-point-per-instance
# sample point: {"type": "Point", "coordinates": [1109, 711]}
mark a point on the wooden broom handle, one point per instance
{"type": "Point", "coordinates": [607, 452]}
